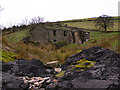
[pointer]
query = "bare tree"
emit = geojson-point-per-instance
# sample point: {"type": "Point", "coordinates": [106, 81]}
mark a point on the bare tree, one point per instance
{"type": "Point", "coordinates": [25, 21]}
{"type": "Point", "coordinates": [104, 22]}
{"type": "Point", "coordinates": [1, 27]}
{"type": "Point", "coordinates": [39, 19]}
{"type": "Point", "coordinates": [36, 20]}
{"type": "Point", "coordinates": [1, 8]}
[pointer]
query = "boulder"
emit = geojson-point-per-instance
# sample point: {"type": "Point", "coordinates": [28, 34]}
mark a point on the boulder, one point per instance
{"type": "Point", "coordinates": [98, 54]}
{"type": "Point", "coordinates": [22, 67]}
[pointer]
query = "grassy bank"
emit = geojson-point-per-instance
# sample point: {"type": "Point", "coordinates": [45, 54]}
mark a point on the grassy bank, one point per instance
{"type": "Point", "coordinates": [17, 36]}
{"type": "Point", "coordinates": [7, 56]}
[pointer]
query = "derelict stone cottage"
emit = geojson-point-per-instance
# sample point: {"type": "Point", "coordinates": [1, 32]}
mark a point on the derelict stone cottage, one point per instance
{"type": "Point", "coordinates": [54, 35]}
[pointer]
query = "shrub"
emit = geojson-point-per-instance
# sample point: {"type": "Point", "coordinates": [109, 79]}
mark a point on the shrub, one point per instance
{"type": "Point", "coordinates": [60, 44]}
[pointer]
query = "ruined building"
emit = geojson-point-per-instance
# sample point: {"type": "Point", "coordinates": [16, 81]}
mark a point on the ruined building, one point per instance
{"type": "Point", "coordinates": [54, 35]}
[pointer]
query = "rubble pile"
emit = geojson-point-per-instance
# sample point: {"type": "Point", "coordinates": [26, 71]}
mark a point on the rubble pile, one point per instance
{"type": "Point", "coordinates": [95, 67]}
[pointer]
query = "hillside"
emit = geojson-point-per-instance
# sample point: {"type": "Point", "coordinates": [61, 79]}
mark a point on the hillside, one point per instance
{"type": "Point", "coordinates": [17, 36]}
{"type": "Point", "coordinates": [88, 23]}
{"type": "Point", "coordinates": [50, 52]}
{"type": "Point", "coordinates": [87, 19]}
{"type": "Point", "coordinates": [93, 64]}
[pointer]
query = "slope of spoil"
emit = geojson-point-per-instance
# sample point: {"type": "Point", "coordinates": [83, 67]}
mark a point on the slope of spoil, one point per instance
{"type": "Point", "coordinates": [95, 67]}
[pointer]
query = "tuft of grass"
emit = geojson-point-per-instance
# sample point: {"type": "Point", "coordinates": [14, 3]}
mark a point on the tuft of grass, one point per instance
{"type": "Point", "coordinates": [7, 56]}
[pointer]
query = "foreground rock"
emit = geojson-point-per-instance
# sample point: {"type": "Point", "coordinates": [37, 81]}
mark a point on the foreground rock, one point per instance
{"type": "Point", "coordinates": [12, 71]}
{"type": "Point", "coordinates": [22, 67]}
{"type": "Point", "coordinates": [9, 81]}
{"type": "Point", "coordinates": [103, 71]}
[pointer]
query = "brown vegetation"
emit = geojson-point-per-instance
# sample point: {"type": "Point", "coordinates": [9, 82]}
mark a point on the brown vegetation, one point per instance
{"type": "Point", "coordinates": [50, 53]}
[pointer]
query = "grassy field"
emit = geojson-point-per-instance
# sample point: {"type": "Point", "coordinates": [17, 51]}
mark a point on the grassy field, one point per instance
{"type": "Point", "coordinates": [105, 40]}
{"type": "Point", "coordinates": [90, 25]}
{"type": "Point", "coordinates": [99, 35]}
{"type": "Point", "coordinates": [17, 36]}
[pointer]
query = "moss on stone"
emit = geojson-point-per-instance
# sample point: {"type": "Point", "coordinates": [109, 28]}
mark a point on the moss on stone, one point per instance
{"type": "Point", "coordinates": [83, 64]}
{"type": "Point", "coordinates": [78, 51]}
{"type": "Point", "coordinates": [60, 74]}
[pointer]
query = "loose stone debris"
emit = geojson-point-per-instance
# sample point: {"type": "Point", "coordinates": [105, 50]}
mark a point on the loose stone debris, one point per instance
{"type": "Point", "coordinates": [104, 73]}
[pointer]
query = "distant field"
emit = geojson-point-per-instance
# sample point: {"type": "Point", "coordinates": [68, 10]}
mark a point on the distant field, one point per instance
{"type": "Point", "coordinates": [17, 36]}
{"type": "Point", "coordinates": [105, 40]}
{"type": "Point", "coordinates": [99, 35]}
{"type": "Point", "coordinates": [90, 25]}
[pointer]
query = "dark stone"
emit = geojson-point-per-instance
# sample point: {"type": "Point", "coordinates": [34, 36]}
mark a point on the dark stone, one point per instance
{"type": "Point", "coordinates": [105, 73]}
{"type": "Point", "coordinates": [49, 71]}
{"type": "Point", "coordinates": [9, 81]}
{"type": "Point", "coordinates": [81, 82]}
{"type": "Point", "coordinates": [86, 63]}
{"type": "Point", "coordinates": [22, 67]}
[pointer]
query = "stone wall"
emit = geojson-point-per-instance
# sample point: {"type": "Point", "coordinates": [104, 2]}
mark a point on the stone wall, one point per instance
{"type": "Point", "coordinates": [59, 36]}
{"type": "Point", "coordinates": [40, 35]}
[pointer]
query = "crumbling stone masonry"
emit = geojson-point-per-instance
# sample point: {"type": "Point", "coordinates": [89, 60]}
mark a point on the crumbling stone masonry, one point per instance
{"type": "Point", "coordinates": [70, 35]}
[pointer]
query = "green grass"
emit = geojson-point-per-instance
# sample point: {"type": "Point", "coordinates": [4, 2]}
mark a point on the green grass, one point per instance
{"type": "Point", "coordinates": [60, 74]}
{"type": "Point", "coordinates": [99, 35]}
{"type": "Point", "coordinates": [90, 25]}
{"type": "Point", "coordinates": [104, 40]}
{"type": "Point", "coordinates": [17, 36]}
{"type": "Point", "coordinates": [71, 45]}
{"type": "Point", "coordinates": [85, 24]}
{"type": "Point", "coordinates": [7, 56]}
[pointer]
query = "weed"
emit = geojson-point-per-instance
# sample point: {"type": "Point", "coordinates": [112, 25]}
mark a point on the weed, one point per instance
{"type": "Point", "coordinates": [60, 74]}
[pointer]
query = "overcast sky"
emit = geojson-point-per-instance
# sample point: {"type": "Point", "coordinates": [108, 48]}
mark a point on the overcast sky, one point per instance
{"type": "Point", "coordinates": [55, 10]}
